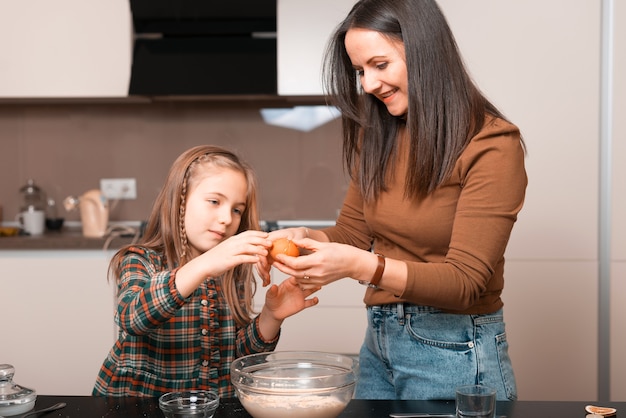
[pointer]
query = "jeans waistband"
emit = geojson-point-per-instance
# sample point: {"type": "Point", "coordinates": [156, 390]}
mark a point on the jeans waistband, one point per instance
{"type": "Point", "coordinates": [400, 309]}
{"type": "Point", "coordinates": [404, 308]}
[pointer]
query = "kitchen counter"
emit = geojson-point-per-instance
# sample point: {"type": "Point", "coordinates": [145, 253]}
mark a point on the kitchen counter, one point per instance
{"type": "Point", "coordinates": [88, 407]}
{"type": "Point", "coordinates": [71, 237]}
{"type": "Point", "coordinates": [62, 240]}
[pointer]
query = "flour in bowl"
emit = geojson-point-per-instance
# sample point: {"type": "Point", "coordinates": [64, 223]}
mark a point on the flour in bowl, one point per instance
{"type": "Point", "coordinates": [276, 406]}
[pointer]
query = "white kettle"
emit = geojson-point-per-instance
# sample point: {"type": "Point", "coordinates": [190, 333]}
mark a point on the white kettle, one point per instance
{"type": "Point", "coordinates": [94, 212]}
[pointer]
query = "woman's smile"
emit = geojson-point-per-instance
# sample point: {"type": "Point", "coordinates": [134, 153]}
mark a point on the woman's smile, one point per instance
{"type": "Point", "coordinates": [388, 97]}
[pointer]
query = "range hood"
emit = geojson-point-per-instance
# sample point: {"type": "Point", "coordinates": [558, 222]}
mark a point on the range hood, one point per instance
{"type": "Point", "coordinates": [204, 48]}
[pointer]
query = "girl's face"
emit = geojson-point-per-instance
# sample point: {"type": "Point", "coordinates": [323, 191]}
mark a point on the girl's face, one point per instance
{"type": "Point", "coordinates": [380, 64]}
{"type": "Point", "coordinates": [215, 204]}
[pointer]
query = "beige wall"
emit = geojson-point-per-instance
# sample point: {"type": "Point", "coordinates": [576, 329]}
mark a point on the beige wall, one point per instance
{"type": "Point", "coordinates": [68, 148]}
{"type": "Point", "coordinates": [618, 209]}
{"type": "Point", "coordinates": [543, 70]}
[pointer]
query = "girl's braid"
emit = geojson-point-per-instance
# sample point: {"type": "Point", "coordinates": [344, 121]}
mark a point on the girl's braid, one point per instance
{"type": "Point", "coordinates": [181, 219]}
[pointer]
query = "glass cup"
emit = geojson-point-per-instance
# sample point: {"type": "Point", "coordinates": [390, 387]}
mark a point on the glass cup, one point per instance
{"type": "Point", "coordinates": [475, 401]}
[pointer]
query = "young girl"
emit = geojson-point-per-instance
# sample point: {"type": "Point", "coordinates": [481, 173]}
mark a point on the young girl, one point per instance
{"type": "Point", "coordinates": [185, 292]}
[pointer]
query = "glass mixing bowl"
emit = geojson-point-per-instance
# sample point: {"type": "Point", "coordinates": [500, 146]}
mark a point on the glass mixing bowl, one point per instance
{"type": "Point", "coordinates": [293, 384]}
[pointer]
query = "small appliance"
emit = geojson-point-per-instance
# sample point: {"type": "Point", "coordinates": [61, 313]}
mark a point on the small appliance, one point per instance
{"type": "Point", "coordinates": [94, 212]}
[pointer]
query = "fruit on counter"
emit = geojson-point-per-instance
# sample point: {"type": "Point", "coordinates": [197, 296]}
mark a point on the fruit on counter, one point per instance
{"type": "Point", "coordinates": [8, 231]}
{"type": "Point", "coordinates": [284, 246]}
{"type": "Point", "coordinates": [600, 410]}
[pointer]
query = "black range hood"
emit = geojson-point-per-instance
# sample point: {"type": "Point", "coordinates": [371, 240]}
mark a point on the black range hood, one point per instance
{"type": "Point", "coordinates": [204, 47]}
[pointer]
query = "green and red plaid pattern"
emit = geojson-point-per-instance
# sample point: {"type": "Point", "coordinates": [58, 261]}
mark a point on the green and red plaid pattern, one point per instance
{"type": "Point", "coordinates": [167, 343]}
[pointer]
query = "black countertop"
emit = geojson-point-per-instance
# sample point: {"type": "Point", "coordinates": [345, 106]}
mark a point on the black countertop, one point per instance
{"type": "Point", "coordinates": [89, 407]}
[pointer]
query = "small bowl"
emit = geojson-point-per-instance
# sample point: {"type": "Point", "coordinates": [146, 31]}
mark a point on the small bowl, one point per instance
{"type": "Point", "coordinates": [7, 231]}
{"type": "Point", "coordinates": [54, 224]}
{"type": "Point", "coordinates": [294, 384]}
{"type": "Point", "coordinates": [189, 404]}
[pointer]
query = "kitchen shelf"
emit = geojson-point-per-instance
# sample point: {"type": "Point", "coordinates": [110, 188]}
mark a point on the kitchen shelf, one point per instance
{"type": "Point", "coordinates": [221, 101]}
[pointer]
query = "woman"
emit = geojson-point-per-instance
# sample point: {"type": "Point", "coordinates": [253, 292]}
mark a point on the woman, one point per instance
{"type": "Point", "coordinates": [437, 181]}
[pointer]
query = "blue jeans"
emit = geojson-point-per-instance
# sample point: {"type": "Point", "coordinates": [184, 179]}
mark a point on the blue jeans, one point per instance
{"type": "Point", "coordinates": [419, 352]}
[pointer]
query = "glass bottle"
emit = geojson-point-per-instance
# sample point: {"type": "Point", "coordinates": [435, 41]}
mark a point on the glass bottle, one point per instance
{"type": "Point", "coordinates": [33, 198]}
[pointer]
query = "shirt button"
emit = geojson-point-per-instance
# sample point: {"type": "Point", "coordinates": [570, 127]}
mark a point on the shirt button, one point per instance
{"type": "Point", "coordinates": [205, 331]}
{"type": "Point", "coordinates": [470, 344]}
{"type": "Point", "coordinates": [204, 302]}
{"type": "Point", "coordinates": [205, 363]}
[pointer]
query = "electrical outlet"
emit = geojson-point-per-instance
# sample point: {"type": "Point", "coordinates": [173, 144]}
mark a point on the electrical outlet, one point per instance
{"type": "Point", "coordinates": [114, 189]}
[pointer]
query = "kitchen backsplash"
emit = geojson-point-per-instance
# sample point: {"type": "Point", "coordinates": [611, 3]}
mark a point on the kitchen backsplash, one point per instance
{"type": "Point", "coordinates": [68, 148]}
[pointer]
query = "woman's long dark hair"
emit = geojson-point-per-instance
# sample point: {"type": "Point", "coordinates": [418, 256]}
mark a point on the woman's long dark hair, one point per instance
{"type": "Point", "coordinates": [445, 110]}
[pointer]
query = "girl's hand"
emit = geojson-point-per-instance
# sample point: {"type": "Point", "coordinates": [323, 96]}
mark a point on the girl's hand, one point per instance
{"type": "Point", "coordinates": [282, 301]}
{"type": "Point", "coordinates": [288, 298]}
{"type": "Point", "coordinates": [263, 268]}
{"type": "Point", "coordinates": [247, 247]}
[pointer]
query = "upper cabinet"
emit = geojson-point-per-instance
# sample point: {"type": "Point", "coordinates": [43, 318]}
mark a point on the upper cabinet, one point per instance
{"type": "Point", "coordinates": [65, 48]}
{"type": "Point", "coordinates": [79, 49]}
{"type": "Point", "coordinates": [204, 48]}
{"type": "Point", "coordinates": [304, 28]}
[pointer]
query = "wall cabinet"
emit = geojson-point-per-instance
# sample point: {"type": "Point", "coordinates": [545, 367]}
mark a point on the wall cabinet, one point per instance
{"type": "Point", "coordinates": [57, 318]}
{"type": "Point", "coordinates": [65, 48]}
{"type": "Point", "coordinates": [337, 324]}
{"type": "Point", "coordinates": [303, 29]}
{"type": "Point", "coordinates": [58, 323]}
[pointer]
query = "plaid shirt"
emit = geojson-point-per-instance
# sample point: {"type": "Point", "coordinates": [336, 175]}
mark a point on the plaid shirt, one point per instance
{"type": "Point", "coordinates": [167, 343]}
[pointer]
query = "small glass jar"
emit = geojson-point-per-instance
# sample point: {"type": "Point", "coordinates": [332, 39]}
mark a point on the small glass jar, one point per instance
{"type": "Point", "coordinates": [14, 399]}
{"type": "Point", "coordinates": [33, 198]}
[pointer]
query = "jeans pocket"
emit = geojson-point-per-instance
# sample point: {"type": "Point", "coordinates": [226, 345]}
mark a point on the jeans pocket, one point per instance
{"type": "Point", "coordinates": [441, 331]}
{"type": "Point", "coordinates": [506, 367]}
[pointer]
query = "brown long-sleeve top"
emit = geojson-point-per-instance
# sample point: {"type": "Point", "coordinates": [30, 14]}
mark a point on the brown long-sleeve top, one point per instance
{"type": "Point", "coordinates": [453, 240]}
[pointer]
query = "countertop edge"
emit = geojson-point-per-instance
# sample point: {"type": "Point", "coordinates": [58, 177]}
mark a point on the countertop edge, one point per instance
{"type": "Point", "coordinates": [70, 237]}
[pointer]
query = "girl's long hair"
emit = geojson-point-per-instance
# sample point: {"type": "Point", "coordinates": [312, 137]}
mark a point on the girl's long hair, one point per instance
{"type": "Point", "coordinates": [445, 111]}
{"type": "Point", "coordinates": [165, 229]}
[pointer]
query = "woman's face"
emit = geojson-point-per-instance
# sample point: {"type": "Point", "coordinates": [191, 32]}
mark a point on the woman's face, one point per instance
{"type": "Point", "coordinates": [215, 205]}
{"type": "Point", "coordinates": [381, 66]}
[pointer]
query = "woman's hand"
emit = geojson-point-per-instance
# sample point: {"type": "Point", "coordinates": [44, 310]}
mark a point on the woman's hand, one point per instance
{"type": "Point", "coordinates": [289, 233]}
{"type": "Point", "coordinates": [325, 263]}
{"type": "Point", "coordinates": [263, 266]}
